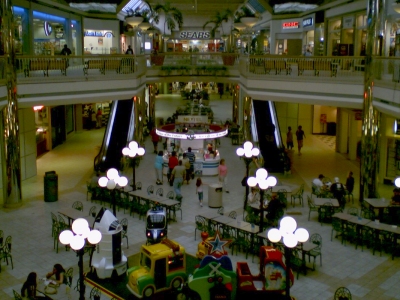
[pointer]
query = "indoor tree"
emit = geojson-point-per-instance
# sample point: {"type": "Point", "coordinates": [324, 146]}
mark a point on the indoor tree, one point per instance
{"type": "Point", "coordinates": [171, 14]}
{"type": "Point", "coordinates": [217, 19]}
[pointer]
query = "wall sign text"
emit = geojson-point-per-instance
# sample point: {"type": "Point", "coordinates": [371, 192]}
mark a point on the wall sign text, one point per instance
{"type": "Point", "coordinates": [308, 22]}
{"type": "Point", "coordinates": [107, 34]}
{"type": "Point", "coordinates": [290, 25]}
{"type": "Point", "coordinates": [194, 35]}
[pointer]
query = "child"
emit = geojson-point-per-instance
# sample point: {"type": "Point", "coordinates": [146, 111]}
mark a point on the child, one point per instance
{"type": "Point", "coordinates": [199, 190]}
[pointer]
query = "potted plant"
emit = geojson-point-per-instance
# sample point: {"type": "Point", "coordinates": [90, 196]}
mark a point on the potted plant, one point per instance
{"type": "Point", "coordinates": [217, 20]}
{"type": "Point", "coordinates": [171, 14]}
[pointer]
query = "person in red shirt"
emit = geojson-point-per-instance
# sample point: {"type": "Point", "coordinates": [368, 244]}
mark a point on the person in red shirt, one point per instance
{"type": "Point", "coordinates": [155, 138]}
{"type": "Point", "coordinates": [172, 163]}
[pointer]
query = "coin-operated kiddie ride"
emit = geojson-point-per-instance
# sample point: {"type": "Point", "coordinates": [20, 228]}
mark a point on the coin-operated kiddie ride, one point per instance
{"type": "Point", "coordinates": [110, 258]}
{"type": "Point", "coordinates": [156, 225]}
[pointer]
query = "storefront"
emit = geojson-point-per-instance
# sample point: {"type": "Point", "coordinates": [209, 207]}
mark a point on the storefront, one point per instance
{"type": "Point", "coordinates": [194, 40]}
{"type": "Point", "coordinates": [101, 37]}
{"type": "Point", "coordinates": [287, 37]}
{"type": "Point", "coordinates": [313, 34]}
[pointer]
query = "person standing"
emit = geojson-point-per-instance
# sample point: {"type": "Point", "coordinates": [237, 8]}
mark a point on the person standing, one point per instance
{"type": "Point", "coordinates": [99, 118]}
{"type": "Point", "coordinates": [300, 136]}
{"type": "Point", "coordinates": [66, 51]}
{"type": "Point", "coordinates": [350, 183]}
{"type": "Point", "coordinates": [186, 163]}
{"type": "Point", "coordinates": [29, 287]}
{"type": "Point", "coordinates": [192, 159]}
{"type": "Point", "coordinates": [337, 189]}
{"type": "Point", "coordinates": [199, 190]}
{"type": "Point", "coordinates": [178, 174]}
{"type": "Point", "coordinates": [155, 138]}
{"type": "Point", "coordinates": [289, 139]}
{"type": "Point", "coordinates": [222, 174]}
{"type": "Point", "coordinates": [158, 166]}
{"type": "Point", "coordinates": [129, 50]}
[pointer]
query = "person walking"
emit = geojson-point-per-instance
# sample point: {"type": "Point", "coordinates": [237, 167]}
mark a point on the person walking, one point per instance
{"type": "Point", "coordinates": [186, 163]}
{"type": "Point", "coordinates": [99, 118]}
{"type": "Point", "coordinates": [158, 166]}
{"type": "Point", "coordinates": [199, 190]}
{"type": "Point", "coordinates": [289, 139]}
{"type": "Point", "coordinates": [222, 174]}
{"type": "Point", "coordinates": [155, 138]}
{"type": "Point", "coordinates": [300, 136]}
{"type": "Point", "coordinates": [172, 162]}
{"type": "Point", "coordinates": [192, 159]}
{"type": "Point", "coordinates": [178, 174]}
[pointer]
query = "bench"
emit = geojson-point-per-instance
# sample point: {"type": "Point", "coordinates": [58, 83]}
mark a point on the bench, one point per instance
{"type": "Point", "coordinates": [112, 65]}
{"type": "Point", "coordinates": [305, 65]}
{"type": "Point", "coordinates": [323, 65]}
{"type": "Point", "coordinates": [45, 65]}
{"type": "Point", "coordinates": [282, 65]}
{"type": "Point", "coordinates": [94, 64]}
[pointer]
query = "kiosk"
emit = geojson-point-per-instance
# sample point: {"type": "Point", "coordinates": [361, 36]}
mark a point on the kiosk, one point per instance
{"type": "Point", "coordinates": [196, 133]}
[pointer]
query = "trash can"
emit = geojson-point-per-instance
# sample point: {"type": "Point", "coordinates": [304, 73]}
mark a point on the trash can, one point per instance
{"type": "Point", "coordinates": [50, 186]}
{"type": "Point", "coordinates": [215, 195]}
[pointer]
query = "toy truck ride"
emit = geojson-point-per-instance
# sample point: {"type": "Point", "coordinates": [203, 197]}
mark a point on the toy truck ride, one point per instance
{"type": "Point", "coordinates": [162, 267]}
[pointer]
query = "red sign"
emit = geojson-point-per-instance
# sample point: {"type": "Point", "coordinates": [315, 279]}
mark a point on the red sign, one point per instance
{"type": "Point", "coordinates": [289, 25]}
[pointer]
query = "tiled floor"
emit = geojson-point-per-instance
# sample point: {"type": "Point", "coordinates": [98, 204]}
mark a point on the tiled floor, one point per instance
{"type": "Point", "coordinates": [367, 276]}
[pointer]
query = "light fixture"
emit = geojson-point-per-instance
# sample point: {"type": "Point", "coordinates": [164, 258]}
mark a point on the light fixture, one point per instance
{"type": "Point", "coordinates": [397, 182]}
{"type": "Point", "coordinates": [77, 240]}
{"type": "Point", "coordinates": [132, 151]}
{"type": "Point", "coordinates": [111, 181]}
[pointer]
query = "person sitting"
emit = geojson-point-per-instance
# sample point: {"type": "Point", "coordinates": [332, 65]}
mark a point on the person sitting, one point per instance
{"type": "Point", "coordinates": [57, 275]}
{"type": "Point", "coordinates": [396, 197]}
{"type": "Point", "coordinates": [254, 196]}
{"type": "Point", "coordinates": [338, 191]}
{"type": "Point", "coordinates": [29, 287]}
{"type": "Point", "coordinates": [318, 185]}
{"type": "Point", "coordinates": [274, 210]}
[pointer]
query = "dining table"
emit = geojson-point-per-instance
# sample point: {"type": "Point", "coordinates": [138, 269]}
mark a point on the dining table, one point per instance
{"type": "Point", "coordinates": [72, 214]}
{"type": "Point", "coordinates": [378, 203]}
{"type": "Point", "coordinates": [64, 292]}
{"type": "Point", "coordinates": [322, 201]}
{"type": "Point", "coordinates": [306, 248]}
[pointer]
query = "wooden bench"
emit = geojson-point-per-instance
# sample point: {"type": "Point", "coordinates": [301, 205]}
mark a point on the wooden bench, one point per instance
{"type": "Point", "coordinates": [323, 65]}
{"type": "Point", "coordinates": [42, 64]}
{"type": "Point", "coordinates": [94, 64]}
{"type": "Point", "coordinates": [282, 65]}
{"type": "Point", "coordinates": [305, 65]}
{"type": "Point", "coordinates": [269, 65]}
{"type": "Point", "coordinates": [112, 65]}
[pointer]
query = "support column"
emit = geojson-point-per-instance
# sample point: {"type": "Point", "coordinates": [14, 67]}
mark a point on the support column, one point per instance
{"type": "Point", "coordinates": [371, 117]}
{"type": "Point", "coordinates": [353, 137]}
{"type": "Point", "coordinates": [342, 121]}
{"type": "Point", "coordinates": [10, 154]}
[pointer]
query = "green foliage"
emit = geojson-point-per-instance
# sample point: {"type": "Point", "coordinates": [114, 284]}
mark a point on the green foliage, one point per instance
{"type": "Point", "coordinates": [210, 69]}
{"type": "Point", "coordinates": [182, 69]}
{"type": "Point", "coordinates": [217, 19]}
{"type": "Point", "coordinates": [171, 14]}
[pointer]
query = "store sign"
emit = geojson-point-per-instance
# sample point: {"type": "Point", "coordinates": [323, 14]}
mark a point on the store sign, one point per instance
{"type": "Point", "coordinates": [308, 22]}
{"type": "Point", "coordinates": [47, 28]}
{"type": "Point", "coordinates": [348, 22]}
{"type": "Point", "coordinates": [192, 136]}
{"type": "Point", "coordinates": [107, 34]}
{"type": "Point", "coordinates": [290, 25]}
{"type": "Point", "coordinates": [192, 119]}
{"type": "Point", "coordinates": [196, 35]}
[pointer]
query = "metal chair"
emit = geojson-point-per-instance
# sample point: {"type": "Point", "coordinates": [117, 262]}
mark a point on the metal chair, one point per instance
{"type": "Point", "coordinates": [93, 211]}
{"type": "Point", "coordinates": [352, 211]}
{"type": "Point", "coordinates": [200, 225]}
{"type": "Point", "coordinates": [282, 196]}
{"type": "Point", "coordinates": [171, 195]}
{"type": "Point", "coordinates": [17, 296]}
{"type": "Point", "coordinates": [138, 185]}
{"type": "Point", "coordinates": [342, 293]}
{"type": "Point", "coordinates": [95, 294]}
{"type": "Point", "coordinates": [160, 192]}
{"type": "Point", "coordinates": [54, 224]}
{"type": "Point", "coordinates": [150, 189]}
{"type": "Point", "coordinates": [124, 223]}
{"type": "Point", "coordinates": [317, 240]}
{"type": "Point", "coordinates": [78, 205]}
{"type": "Point", "coordinates": [311, 206]}
{"type": "Point", "coordinates": [325, 212]}
{"type": "Point", "coordinates": [233, 214]}
{"type": "Point", "coordinates": [69, 274]}
{"type": "Point", "coordinates": [6, 252]}
{"type": "Point", "coordinates": [298, 195]}
{"type": "Point", "coordinates": [221, 210]}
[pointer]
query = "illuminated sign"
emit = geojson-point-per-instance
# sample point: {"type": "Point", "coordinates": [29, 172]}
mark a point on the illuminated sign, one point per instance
{"type": "Point", "coordinates": [107, 34]}
{"type": "Point", "coordinates": [196, 35]}
{"type": "Point", "coordinates": [308, 22]}
{"type": "Point", "coordinates": [192, 119]}
{"type": "Point", "coordinates": [290, 25]}
{"type": "Point", "coordinates": [192, 136]}
{"type": "Point", "coordinates": [47, 28]}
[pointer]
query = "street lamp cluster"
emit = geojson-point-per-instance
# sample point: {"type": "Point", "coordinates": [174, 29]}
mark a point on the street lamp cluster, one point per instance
{"type": "Point", "coordinates": [111, 181]}
{"type": "Point", "coordinates": [77, 239]}
{"type": "Point", "coordinates": [132, 151]}
{"type": "Point", "coordinates": [264, 182]}
{"type": "Point", "coordinates": [291, 236]}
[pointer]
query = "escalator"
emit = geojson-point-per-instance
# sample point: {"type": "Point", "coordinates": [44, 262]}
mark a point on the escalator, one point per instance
{"type": "Point", "coordinates": [265, 129]}
{"type": "Point", "coordinates": [119, 132]}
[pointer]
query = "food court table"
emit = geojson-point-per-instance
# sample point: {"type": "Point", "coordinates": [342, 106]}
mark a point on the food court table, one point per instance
{"type": "Point", "coordinates": [72, 214]}
{"type": "Point", "coordinates": [379, 204]}
{"type": "Point", "coordinates": [322, 201]}
{"type": "Point", "coordinates": [64, 292]}
{"type": "Point", "coordinates": [306, 248]}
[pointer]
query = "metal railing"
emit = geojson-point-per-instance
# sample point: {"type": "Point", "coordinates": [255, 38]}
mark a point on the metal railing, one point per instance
{"type": "Point", "coordinates": [66, 68]}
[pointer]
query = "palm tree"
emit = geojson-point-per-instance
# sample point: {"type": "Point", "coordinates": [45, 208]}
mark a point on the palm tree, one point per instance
{"type": "Point", "coordinates": [171, 14]}
{"type": "Point", "coordinates": [217, 20]}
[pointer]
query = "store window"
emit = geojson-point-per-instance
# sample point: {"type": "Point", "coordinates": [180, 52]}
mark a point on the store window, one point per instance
{"type": "Point", "coordinates": [334, 36]}
{"type": "Point", "coordinates": [99, 42]}
{"type": "Point", "coordinates": [21, 37]}
{"type": "Point", "coordinates": [319, 40]}
{"type": "Point", "coordinates": [361, 35]}
{"type": "Point", "coordinates": [48, 33]}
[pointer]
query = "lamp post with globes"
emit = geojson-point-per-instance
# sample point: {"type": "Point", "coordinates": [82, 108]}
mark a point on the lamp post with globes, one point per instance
{"type": "Point", "coordinates": [397, 182]}
{"type": "Point", "coordinates": [291, 236]}
{"type": "Point", "coordinates": [263, 181]}
{"type": "Point", "coordinates": [77, 239]}
{"type": "Point", "coordinates": [111, 181]}
{"type": "Point", "coordinates": [132, 151]}
{"type": "Point", "coordinates": [247, 152]}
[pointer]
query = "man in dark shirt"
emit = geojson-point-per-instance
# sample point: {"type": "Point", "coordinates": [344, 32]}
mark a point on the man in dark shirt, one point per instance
{"type": "Point", "coordinates": [192, 158]}
{"type": "Point", "coordinates": [66, 51]}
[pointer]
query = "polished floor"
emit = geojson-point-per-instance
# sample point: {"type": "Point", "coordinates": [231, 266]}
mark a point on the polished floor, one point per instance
{"type": "Point", "coordinates": [367, 276]}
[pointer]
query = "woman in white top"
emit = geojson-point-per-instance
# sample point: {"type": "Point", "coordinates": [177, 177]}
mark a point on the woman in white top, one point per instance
{"type": "Point", "coordinates": [254, 196]}
{"type": "Point", "coordinates": [199, 190]}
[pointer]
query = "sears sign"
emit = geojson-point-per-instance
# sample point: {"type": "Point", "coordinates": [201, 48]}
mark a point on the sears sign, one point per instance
{"type": "Point", "coordinates": [195, 35]}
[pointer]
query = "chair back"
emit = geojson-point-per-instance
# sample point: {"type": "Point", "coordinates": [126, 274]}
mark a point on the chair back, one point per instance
{"type": "Point", "coordinates": [61, 223]}
{"type": "Point", "coordinates": [150, 189]}
{"type": "Point", "coordinates": [17, 296]}
{"type": "Point", "coordinates": [368, 214]}
{"type": "Point", "coordinates": [7, 245]}
{"type": "Point", "coordinates": [78, 205]}
{"type": "Point", "coordinates": [311, 204]}
{"type": "Point", "coordinates": [92, 211]}
{"type": "Point", "coordinates": [95, 294]}
{"type": "Point", "coordinates": [200, 222]}
{"type": "Point", "coordinates": [160, 192]}
{"type": "Point", "coordinates": [138, 185]}
{"type": "Point", "coordinates": [171, 195]}
{"type": "Point", "coordinates": [69, 274]}
{"type": "Point", "coordinates": [221, 210]}
{"type": "Point", "coordinates": [316, 239]}
{"type": "Point", "coordinates": [233, 214]}
{"type": "Point", "coordinates": [352, 211]}
{"type": "Point", "coordinates": [124, 223]}
{"type": "Point", "coordinates": [342, 293]}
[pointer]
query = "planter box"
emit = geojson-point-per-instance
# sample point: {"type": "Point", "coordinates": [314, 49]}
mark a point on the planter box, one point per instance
{"type": "Point", "coordinates": [157, 60]}
{"type": "Point", "coordinates": [228, 60]}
